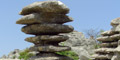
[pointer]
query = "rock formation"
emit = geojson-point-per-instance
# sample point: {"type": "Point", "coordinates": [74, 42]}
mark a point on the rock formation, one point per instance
{"type": "Point", "coordinates": [46, 21]}
{"type": "Point", "coordinates": [110, 43]}
{"type": "Point", "coordinates": [12, 55]}
{"type": "Point", "coordinates": [78, 42]}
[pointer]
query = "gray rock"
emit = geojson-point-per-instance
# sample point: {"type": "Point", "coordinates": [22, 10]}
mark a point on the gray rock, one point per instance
{"type": "Point", "coordinates": [47, 38]}
{"type": "Point", "coordinates": [39, 29]}
{"type": "Point", "coordinates": [82, 46]}
{"type": "Point", "coordinates": [115, 21]}
{"type": "Point", "coordinates": [109, 38]}
{"type": "Point", "coordinates": [110, 44]}
{"type": "Point", "coordinates": [50, 56]}
{"type": "Point", "coordinates": [44, 18]}
{"type": "Point", "coordinates": [109, 33]}
{"type": "Point", "coordinates": [50, 48]}
{"type": "Point", "coordinates": [117, 28]}
{"type": "Point", "coordinates": [45, 6]}
{"type": "Point", "coordinates": [116, 56]}
{"type": "Point", "coordinates": [12, 55]}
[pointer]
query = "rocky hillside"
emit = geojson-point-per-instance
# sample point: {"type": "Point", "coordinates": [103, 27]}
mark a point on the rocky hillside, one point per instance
{"type": "Point", "coordinates": [81, 45]}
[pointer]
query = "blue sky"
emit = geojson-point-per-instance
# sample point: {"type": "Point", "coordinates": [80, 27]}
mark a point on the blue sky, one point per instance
{"type": "Point", "coordinates": [87, 14]}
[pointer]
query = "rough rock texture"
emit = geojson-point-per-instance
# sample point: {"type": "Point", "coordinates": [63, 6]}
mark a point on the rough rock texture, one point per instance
{"type": "Point", "coordinates": [49, 56]}
{"type": "Point", "coordinates": [45, 6]}
{"type": "Point", "coordinates": [110, 46]}
{"type": "Point", "coordinates": [46, 21]}
{"type": "Point", "coordinates": [36, 18]}
{"type": "Point", "coordinates": [41, 29]}
{"type": "Point", "coordinates": [12, 55]}
{"type": "Point", "coordinates": [82, 46]}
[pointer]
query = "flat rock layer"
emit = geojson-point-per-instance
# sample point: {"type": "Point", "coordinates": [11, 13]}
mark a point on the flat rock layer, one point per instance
{"type": "Point", "coordinates": [111, 44]}
{"type": "Point", "coordinates": [48, 38]}
{"type": "Point", "coordinates": [109, 33]}
{"type": "Point", "coordinates": [50, 48]}
{"type": "Point", "coordinates": [48, 29]}
{"type": "Point", "coordinates": [109, 38]}
{"type": "Point", "coordinates": [50, 56]}
{"type": "Point", "coordinates": [105, 50]}
{"type": "Point", "coordinates": [45, 6]}
{"type": "Point", "coordinates": [36, 18]}
{"type": "Point", "coordinates": [102, 57]}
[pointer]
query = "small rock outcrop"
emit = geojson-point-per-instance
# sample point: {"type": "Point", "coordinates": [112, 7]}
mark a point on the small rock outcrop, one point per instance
{"type": "Point", "coordinates": [82, 46]}
{"type": "Point", "coordinates": [46, 21]}
{"type": "Point", "coordinates": [110, 46]}
{"type": "Point", "coordinates": [12, 55]}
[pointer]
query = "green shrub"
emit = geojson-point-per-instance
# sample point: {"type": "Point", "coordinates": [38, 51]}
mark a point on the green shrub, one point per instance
{"type": "Point", "coordinates": [25, 54]}
{"type": "Point", "coordinates": [70, 54]}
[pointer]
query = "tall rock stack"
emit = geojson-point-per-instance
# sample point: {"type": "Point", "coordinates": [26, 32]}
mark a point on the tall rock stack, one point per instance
{"type": "Point", "coordinates": [109, 43]}
{"type": "Point", "coordinates": [46, 20]}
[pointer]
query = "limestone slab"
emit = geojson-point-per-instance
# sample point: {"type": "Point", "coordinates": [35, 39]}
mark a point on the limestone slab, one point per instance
{"type": "Point", "coordinates": [105, 50]}
{"type": "Point", "coordinates": [109, 38]}
{"type": "Point", "coordinates": [47, 38]}
{"type": "Point", "coordinates": [109, 33]}
{"type": "Point", "coordinates": [45, 6]}
{"type": "Point", "coordinates": [50, 48]}
{"type": "Point", "coordinates": [109, 44]}
{"type": "Point", "coordinates": [115, 21]}
{"type": "Point", "coordinates": [48, 29]}
{"type": "Point", "coordinates": [38, 18]}
{"type": "Point", "coordinates": [102, 57]}
{"type": "Point", "coordinates": [50, 56]}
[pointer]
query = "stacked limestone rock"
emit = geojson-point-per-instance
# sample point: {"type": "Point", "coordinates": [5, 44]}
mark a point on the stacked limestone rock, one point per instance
{"type": "Point", "coordinates": [45, 20]}
{"type": "Point", "coordinates": [109, 45]}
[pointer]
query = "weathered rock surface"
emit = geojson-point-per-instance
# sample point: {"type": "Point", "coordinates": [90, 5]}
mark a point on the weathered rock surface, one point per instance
{"type": "Point", "coordinates": [50, 56]}
{"type": "Point", "coordinates": [45, 6]}
{"type": "Point", "coordinates": [116, 56]}
{"type": "Point", "coordinates": [109, 38]}
{"type": "Point", "coordinates": [12, 55]}
{"type": "Point", "coordinates": [105, 50]}
{"type": "Point", "coordinates": [109, 44]}
{"type": "Point", "coordinates": [108, 33]}
{"type": "Point", "coordinates": [47, 38]}
{"type": "Point", "coordinates": [36, 18]}
{"type": "Point", "coordinates": [50, 48]}
{"type": "Point", "coordinates": [81, 45]}
{"type": "Point", "coordinates": [102, 57]}
{"type": "Point", "coordinates": [45, 20]}
{"type": "Point", "coordinates": [115, 21]}
{"type": "Point", "coordinates": [47, 29]}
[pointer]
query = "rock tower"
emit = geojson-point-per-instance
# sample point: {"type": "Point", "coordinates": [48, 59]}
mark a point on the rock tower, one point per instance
{"type": "Point", "coordinates": [110, 43]}
{"type": "Point", "coordinates": [46, 20]}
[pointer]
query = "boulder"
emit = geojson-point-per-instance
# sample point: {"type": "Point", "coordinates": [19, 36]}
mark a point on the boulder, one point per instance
{"type": "Point", "coordinates": [45, 6]}
{"type": "Point", "coordinates": [36, 18]}
{"type": "Point", "coordinates": [115, 21]}
{"type": "Point", "coordinates": [48, 29]}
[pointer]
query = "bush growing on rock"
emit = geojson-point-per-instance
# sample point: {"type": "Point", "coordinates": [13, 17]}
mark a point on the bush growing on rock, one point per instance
{"type": "Point", "coordinates": [25, 54]}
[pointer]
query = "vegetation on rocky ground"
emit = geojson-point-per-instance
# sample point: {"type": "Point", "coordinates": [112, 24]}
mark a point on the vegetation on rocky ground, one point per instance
{"type": "Point", "coordinates": [70, 54]}
{"type": "Point", "coordinates": [25, 54]}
